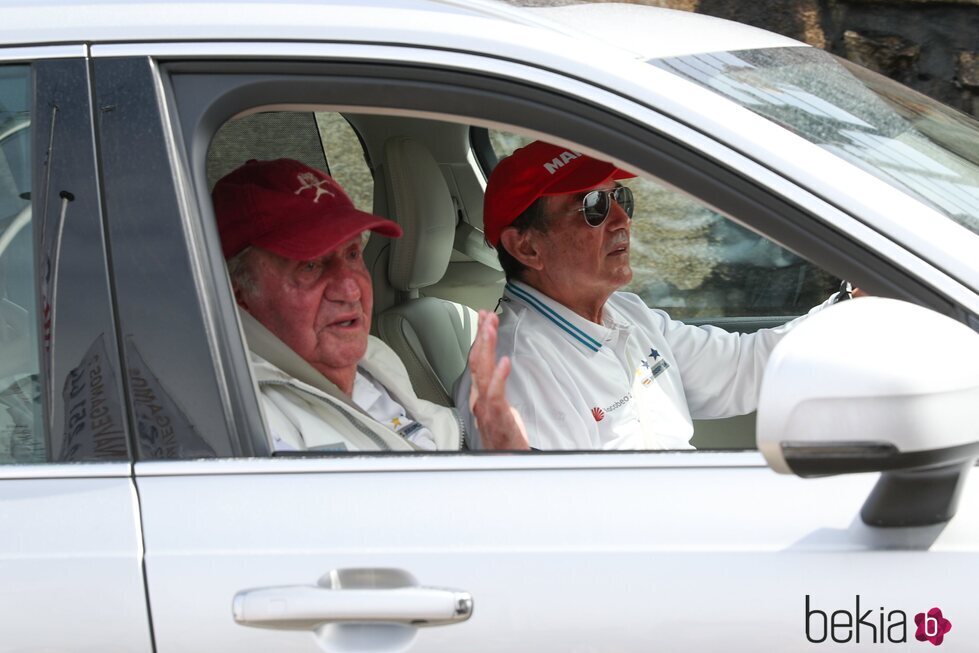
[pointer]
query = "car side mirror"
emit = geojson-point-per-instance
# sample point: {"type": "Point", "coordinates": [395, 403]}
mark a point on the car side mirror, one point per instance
{"type": "Point", "coordinates": [876, 384]}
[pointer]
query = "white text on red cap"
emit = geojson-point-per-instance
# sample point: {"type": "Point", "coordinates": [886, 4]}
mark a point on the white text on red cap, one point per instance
{"type": "Point", "coordinates": [558, 162]}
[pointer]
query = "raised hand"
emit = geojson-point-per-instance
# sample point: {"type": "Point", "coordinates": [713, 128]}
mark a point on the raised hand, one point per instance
{"type": "Point", "coordinates": [499, 423]}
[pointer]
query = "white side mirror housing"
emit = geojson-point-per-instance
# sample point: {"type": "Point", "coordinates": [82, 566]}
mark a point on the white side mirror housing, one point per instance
{"type": "Point", "coordinates": [872, 384]}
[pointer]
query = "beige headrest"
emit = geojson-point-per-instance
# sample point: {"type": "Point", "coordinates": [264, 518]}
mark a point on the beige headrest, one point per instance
{"type": "Point", "coordinates": [422, 205]}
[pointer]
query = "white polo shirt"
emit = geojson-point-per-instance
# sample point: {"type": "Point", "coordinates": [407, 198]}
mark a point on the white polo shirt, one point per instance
{"type": "Point", "coordinates": [633, 382]}
{"type": "Point", "coordinates": [379, 404]}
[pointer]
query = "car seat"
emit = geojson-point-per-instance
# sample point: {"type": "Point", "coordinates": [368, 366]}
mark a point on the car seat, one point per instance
{"type": "Point", "coordinates": [431, 335]}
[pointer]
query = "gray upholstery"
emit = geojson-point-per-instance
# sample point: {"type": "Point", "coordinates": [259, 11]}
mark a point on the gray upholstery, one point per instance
{"type": "Point", "coordinates": [422, 205]}
{"type": "Point", "coordinates": [432, 336]}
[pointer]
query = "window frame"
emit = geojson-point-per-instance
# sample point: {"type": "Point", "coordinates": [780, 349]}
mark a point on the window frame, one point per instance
{"type": "Point", "coordinates": [68, 227]}
{"type": "Point", "coordinates": [202, 94]}
{"type": "Point", "coordinates": [160, 282]}
{"type": "Point", "coordinates": [482, 146]}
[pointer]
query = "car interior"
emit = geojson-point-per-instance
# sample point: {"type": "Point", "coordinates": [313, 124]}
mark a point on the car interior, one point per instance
{"type": "Point", "coordinates": [429, 176]}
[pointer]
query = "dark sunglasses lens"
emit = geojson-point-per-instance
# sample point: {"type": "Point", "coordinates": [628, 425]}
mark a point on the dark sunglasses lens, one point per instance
{"type": "Point", "coordinates": [624, 198]}
{"type": "Point", "coordinates": [595, 206]}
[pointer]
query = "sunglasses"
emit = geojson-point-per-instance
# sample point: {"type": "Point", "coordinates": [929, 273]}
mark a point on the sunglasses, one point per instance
{"type": "Point", "coordinates": [597, 204]}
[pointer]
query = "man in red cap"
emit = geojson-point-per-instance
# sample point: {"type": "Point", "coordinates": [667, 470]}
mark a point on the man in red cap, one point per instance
{"type": "Point", "coordinates": [294, 245]}
{"type": "Point", "coordinates": [594, 368]}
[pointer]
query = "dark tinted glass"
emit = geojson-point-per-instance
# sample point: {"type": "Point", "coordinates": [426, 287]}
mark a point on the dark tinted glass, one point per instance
{"type": "Point", "coordinates": [22, 438]}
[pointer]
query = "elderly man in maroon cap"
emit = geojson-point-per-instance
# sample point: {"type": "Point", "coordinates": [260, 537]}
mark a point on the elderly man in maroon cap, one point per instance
{"type": "Point", "coordinates": [594, 368]}
{"type": "Point", "coordinates": [294, 245]}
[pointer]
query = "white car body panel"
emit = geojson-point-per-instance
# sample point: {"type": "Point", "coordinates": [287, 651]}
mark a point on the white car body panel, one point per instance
{"type": "Point", "coordinates": [415, 23]}
{"type": "Point", "coordinates": [676, 33]}
{"type": "Point", "coordinates": [557, 557]}
{"type": "Point", "coordinates": [72, 551]}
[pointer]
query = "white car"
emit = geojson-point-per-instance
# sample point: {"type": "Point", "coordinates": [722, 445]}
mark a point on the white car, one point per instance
{"type": "Point", "coordinates": [142, 507]}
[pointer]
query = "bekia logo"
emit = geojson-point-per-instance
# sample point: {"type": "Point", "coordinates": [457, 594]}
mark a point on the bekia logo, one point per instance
{"type": "Point", "coordinates": [873, 626]}
{"type": "Point", "coordinates": [932, 626]}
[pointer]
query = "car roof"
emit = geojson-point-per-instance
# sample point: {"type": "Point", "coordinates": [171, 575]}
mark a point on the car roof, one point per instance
{"type": "Point", "coordinates": [634, 30]}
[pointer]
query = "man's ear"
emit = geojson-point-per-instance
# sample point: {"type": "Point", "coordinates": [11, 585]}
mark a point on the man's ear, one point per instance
{"type": "Point", "coordinates": [239, 296]}
{"type": "Point", "coordinates": [523, 246]}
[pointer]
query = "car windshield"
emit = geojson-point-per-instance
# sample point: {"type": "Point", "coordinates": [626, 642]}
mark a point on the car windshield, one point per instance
{"type": "Point", "coordinates": [910, 141]}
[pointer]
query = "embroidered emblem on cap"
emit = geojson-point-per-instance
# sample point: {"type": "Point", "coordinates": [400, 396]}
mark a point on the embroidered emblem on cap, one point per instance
{"type": "Point", "coordinates": [308, 180]}
{"type": "Point", "coordinates": [558, 162]}
{"type": "Point", "coordinates": [598, 414]}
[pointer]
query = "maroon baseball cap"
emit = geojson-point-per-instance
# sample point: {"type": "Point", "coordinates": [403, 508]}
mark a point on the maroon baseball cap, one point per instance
{"type": "Point", "coordinates": [534, 171]}
{"type": "Point", "coordinates": [290, 209]}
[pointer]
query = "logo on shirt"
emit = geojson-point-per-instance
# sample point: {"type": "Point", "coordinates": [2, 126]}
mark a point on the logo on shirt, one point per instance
{"type": "Point", "coordinates": [599, 413]}
{"type": "Point", "coordinates": [619, 404]}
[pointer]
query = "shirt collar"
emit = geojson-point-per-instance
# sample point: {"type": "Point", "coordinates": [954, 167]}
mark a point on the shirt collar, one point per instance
{"type": "Point", "coordinates": [584, 333]}
{"type": "Point", "coordinates": [364, 393]}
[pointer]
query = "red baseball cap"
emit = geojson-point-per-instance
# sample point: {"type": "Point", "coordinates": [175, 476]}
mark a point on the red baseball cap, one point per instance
{"type": "Point", "coordinates": [290, 209]}
{"type": "Point", "coordinates": [534, 171]}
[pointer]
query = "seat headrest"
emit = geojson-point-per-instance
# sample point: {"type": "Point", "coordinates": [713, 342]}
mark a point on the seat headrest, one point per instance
{"type": "Point", "coordinates": [422, 205]}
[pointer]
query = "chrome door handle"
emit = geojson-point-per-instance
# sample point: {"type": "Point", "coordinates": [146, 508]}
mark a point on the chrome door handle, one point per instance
{"type": "Point", "coordinates": [333, 600]}
{"type": "Point", "coordinates": [306, 607]}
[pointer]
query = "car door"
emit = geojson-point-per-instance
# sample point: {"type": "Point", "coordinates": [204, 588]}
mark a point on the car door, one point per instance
{"type": "Point", "coordinates": [71, 551]}
{"type": "Point", "coordinates": [544, 552]}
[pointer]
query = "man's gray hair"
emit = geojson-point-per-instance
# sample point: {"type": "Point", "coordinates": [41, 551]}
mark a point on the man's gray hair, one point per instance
{"type": "Point", "coordinates": [240, 272]}
{"type": "Point", "coordinates": [242, 275]}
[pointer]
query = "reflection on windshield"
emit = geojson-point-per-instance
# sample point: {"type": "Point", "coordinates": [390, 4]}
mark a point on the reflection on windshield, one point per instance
{"type": "Point", "coordinates": [896, 134]}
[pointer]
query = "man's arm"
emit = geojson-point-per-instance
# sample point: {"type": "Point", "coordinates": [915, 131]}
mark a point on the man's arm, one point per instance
{"type": "Point", "coordinates": [722, 371]}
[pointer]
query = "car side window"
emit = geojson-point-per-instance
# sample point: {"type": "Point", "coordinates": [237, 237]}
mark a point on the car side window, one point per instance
{"type": "Point", "coordinates": [22, 437]}
{"type": "Point", "coordinates": [323, 140]}
{"type": "Point", "coordinates": [698, 265]}
{"type": "Point", "coordinates": [266, 135]}
{"type": "Point", "coordinates": [347, 162]}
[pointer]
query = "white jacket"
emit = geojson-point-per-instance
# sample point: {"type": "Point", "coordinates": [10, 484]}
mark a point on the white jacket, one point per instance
{"type": "Point", "coordinates": [304, 410]}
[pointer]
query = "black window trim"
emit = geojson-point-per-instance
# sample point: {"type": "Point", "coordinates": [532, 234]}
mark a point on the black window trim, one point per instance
{"type": "Point", "coordinates": [69, 231]}
{"type": "Point", "coordinates": [482, 147]}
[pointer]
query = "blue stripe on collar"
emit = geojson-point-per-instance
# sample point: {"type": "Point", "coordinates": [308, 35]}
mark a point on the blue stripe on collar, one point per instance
{"type": "Point", "coordinates": [556, 318]}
